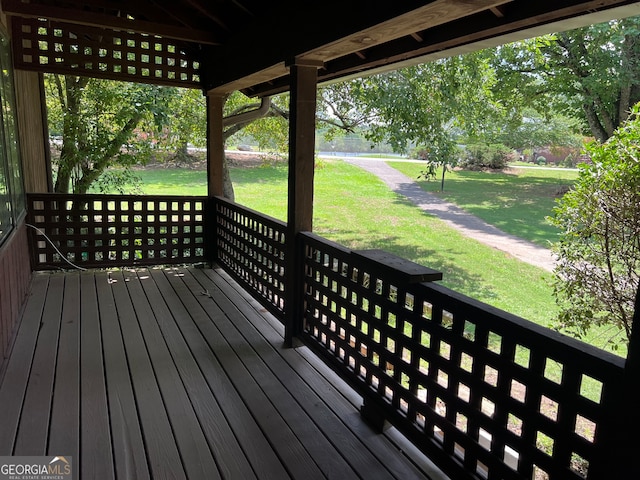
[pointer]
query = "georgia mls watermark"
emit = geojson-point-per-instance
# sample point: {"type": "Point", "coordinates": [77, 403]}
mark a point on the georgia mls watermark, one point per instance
{"type": "Point", "coordinates": [36, 468]}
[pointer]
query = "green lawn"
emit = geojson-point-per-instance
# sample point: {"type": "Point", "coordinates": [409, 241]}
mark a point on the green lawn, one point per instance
{"type": "Point", "coordinates": [173, 181]}
{"type": "Point", "coordinates": [516, 202]}
{"type": "Point", "coordinates": [354, 208]}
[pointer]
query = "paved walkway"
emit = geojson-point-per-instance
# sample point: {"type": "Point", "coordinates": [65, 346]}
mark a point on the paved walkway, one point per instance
{"type": "Point", "coordinates": [454, 216]}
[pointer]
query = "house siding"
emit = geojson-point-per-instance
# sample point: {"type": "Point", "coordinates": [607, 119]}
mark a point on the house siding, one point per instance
{"type": "Point", "coordinates": [15, 276]}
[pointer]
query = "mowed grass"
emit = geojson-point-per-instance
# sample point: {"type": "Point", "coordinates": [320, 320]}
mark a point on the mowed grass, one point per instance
{"type": "Point", "coordinates": [354, 208]}
{"type": "Point", "coordinates": [172, 181]}
{"type": "Point", "coordinates": [517, 202]}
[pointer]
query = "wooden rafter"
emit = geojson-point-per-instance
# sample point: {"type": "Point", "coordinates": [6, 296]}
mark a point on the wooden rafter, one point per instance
{"type": "Point", "coordinates": [103, 20]}
{"type": "Point", "coordinates": [196, 5]}
{"type": "Point", "coordinates": [362, 29]}
{"type": "Point", "coordinates": [497, 12]}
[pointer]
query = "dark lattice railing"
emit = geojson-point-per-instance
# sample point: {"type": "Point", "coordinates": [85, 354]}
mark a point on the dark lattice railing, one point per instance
{"type": "Point", "coordinates": [115, 230]}
{"type": "Point", "coordinates": [484, 393]}
{"type": "Point", "coordinates": [251, 247]}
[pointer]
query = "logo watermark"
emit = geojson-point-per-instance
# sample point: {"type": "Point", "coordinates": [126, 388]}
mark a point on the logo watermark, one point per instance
{"type": "Point", "coordinates": [36, 468]}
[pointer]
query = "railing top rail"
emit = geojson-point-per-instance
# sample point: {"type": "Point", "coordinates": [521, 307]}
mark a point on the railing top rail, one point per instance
{"type": "Point", "coordinates": [116, 196]}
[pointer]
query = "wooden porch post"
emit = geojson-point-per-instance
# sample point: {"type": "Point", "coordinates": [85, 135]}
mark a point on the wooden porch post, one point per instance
{"type": "Point", "coordinates": [215, 170]}
{"type": "Point", "coordinates": [304, 79]}
{"type": "Point", "coordinates": [32, 125]}
{"type": "Point", "coordinates": [215, 145]}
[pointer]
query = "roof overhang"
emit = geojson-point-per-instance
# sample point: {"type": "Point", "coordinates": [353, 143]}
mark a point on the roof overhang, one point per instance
{"type": "Point", "coordinates": [248, 45]}
{"type": "Point", "coordinates": [360, 54]}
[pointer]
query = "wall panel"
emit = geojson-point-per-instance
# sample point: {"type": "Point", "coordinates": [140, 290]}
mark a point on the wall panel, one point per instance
{"type": "Point", "coordinates": [15, 275]}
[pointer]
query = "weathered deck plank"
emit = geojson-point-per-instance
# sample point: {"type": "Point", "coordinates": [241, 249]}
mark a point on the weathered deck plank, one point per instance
{"type": "Point", "coordinates": [208, 390]}
{"type": "Point", "coordinates": [192, 444]}
{"type": "Point", "coordinates": [97, 454]}
{"type": "Point", "coordinates": [16, 376]}
{"type": "Point", "coordinates": [65, 412]}
{"type": "Point", "coordinates": [175, 373]}
{"type": "Point", "coordinates": [128, 444]}
{"type": "Point", "coordinates": [161, 448]}
{"type": "Point", "coordinates": [292, 453]}
{"type": "Point", "coordinates": [34, 419]}
{"type": "Point", "coordinates": [324, 420]}
{"type": "Point", "coordinates": [335, 392]}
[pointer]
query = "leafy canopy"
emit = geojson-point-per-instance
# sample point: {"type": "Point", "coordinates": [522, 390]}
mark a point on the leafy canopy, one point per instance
{"type": "Point", "coordinates": [590, 73]}
{"type": "Point", "coordinates": [98, 120]}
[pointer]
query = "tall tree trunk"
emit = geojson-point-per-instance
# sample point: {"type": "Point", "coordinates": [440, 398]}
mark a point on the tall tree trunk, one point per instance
{"type": "Point", "coordinates": [70, 96]}
{"type": "Point", "coordinates": [227, 184]}
{"type": "Point", "coordinates": [91, 172]}
{"type": "Point", "coordinates": [182, 153]}
{"type": "Point", "coordinates": [595, 126]}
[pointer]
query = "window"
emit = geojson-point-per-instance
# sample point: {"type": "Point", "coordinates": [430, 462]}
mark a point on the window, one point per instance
{"type": "Point", "coordinates": [12, 202]}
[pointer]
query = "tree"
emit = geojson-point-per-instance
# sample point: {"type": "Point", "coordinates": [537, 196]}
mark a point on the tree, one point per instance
{"type": "Point", "coordinates": [429, 105]}
{"type": "Point", "coordinates": [596, 277]}
{"type": "Point", "coordinates": [107, 123]}
{"type": "Point", "coordinates": [98, 120]}
{"type": "Point", "coordinates": [535, 131]}
{"type": "Point", "coordinates": [270, 129]}
{"type": "Point", "coordinates": [591, 73]}
{"type": "Point", "coordinates": [265, 121]}
{"type": "Point", "coordinates": [187, 123]}
{"type": "Point", "coordinates": [269, 126]}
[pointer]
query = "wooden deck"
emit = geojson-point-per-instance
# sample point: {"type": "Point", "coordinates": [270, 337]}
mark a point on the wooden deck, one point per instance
{"type": "Point", "coordinates": [177, 373]}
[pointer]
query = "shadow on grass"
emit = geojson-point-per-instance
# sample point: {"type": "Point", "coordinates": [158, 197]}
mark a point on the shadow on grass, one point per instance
{"type": "Point", "coordinates": [516, 204]}
{"type": "Point", "coordinates": [454, 277]}
{"type": "Point", "coordinates": [274, 174]}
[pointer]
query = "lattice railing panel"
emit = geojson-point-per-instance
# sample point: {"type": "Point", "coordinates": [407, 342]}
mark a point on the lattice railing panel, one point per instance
{"type": "Point", "coordinates": [115, 230]}
{"type": "Point", "coordinates": [484, 393]}
{"type": "Point", "coordinates": [251, 247]}
{"type": "Point", "coordinates": [56, 47]}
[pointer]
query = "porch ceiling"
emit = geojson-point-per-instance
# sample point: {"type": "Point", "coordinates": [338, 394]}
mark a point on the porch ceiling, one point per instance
{"type": "Point", "coordinates": [247, 45]}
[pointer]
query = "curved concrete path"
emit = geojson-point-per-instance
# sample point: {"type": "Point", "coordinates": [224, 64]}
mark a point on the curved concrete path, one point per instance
{"type": "Point", "coordinates": [454, 216]}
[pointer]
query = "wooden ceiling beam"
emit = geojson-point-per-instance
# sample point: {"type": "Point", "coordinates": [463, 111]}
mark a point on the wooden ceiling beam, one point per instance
{"type": "Point", "coordinates": [305, 35]}
{"type": "Point", "coordinates": [429, 16]}
{"type": "Point", "coordinates": [256, 40]}
{"type": "Point", "coordinates": [196, 5]}
{"type": "Point", "coordinates": [463, 36]}
{"type": "Point", "coordinates": [178, 15]}
{"type": "Point", "coordinates": [15, 7]}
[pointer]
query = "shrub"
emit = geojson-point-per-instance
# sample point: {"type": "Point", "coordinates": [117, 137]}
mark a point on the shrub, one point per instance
{"type": "Point", "coordinates": [421, 153]}
{"type": "Point", "coordinates": [481, 156]}
{"type": "Point", "coordinates": [598, 267]}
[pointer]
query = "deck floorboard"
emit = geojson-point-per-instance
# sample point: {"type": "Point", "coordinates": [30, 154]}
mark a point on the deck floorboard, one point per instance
{"type": "Point", "coordinates": [178, 373]}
